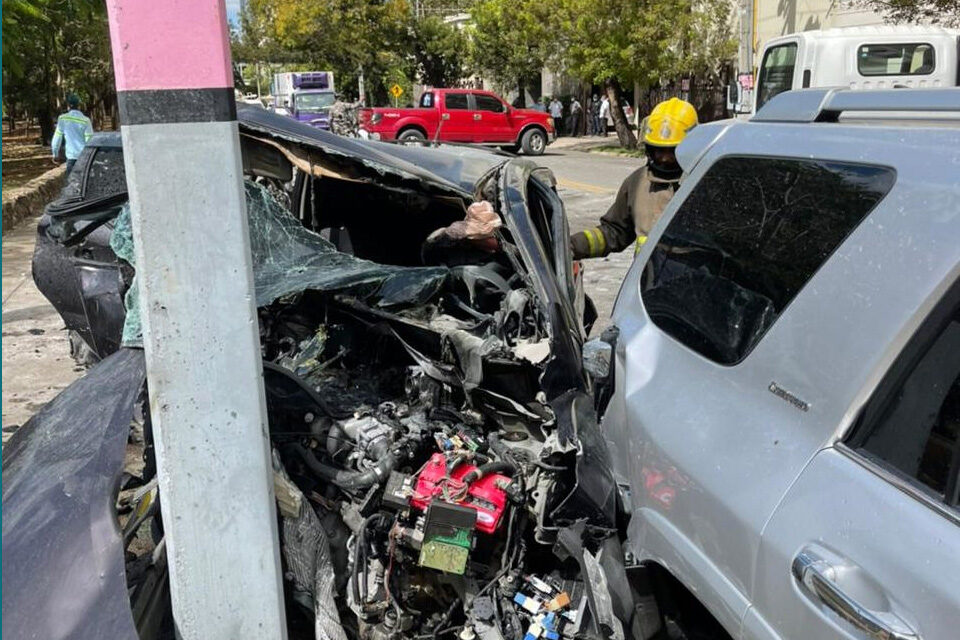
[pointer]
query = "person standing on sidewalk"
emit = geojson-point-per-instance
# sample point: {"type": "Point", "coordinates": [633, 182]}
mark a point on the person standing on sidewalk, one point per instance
{"type": "Point", "coordinates": [73, 131]}
{"type": "Point", "coordinates": [603, 115]}
{"type": "Point", "coordinates": [556, 112]}
{"type": "Point", "coordinates": [647, 191]}
{"type": "Point", "coordinates": [576, 112]}
{"type": "Point", "coordinates": [595, 115]}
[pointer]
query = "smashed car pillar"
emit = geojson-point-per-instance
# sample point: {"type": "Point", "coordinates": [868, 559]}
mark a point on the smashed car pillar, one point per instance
{"type": "Point", "coordinates": [184, 175]}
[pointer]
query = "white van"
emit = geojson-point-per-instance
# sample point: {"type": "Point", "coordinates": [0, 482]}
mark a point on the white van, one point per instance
{"type": "Point", "coordinates": [880, 57]}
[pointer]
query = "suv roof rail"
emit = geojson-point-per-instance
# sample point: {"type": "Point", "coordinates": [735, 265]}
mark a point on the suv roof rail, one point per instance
{"type": "Point", "coordinates": [826, 105]}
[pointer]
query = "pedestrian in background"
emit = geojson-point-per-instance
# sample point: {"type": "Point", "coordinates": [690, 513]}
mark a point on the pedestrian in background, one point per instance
{"type": "Point", "coordinates": [73, 131]}
{"type": "Point", "coordinates": [595, 115]}
{"type": "Point", "coordinates": [540, 105]}
{"type": "Point", "coordinates": [576, 112]}
{"type": "Point", "coordinates": [556, 112]}
{"type": "Point", "coordinates": [603, 114]}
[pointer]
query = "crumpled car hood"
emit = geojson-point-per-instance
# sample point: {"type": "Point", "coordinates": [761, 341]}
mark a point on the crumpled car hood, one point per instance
{"type": "Point", "coordinates": [63, 564]}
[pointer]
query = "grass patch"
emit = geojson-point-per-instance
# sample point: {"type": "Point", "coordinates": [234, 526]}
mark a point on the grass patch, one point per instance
{"type": "Point", "coordinates": [617, 150]}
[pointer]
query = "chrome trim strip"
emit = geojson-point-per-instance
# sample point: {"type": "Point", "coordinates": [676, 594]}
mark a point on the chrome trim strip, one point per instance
{"type": "Point", "coordinates": [900, 483]}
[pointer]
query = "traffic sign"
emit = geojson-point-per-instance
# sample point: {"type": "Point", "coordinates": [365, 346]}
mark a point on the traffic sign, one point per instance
{"type": "Point", "coordinates": [396, 91]}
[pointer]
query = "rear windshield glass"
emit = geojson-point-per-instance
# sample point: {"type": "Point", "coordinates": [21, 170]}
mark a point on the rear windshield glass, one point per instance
{"type": "Point", "coordinates": [106, 176]}
{"type": "Point", "coordinates": [916, 59]}
{"type": "Point", "coordinates": [746, 240]}
{"type": "Point", "coordinates": [456, 101]}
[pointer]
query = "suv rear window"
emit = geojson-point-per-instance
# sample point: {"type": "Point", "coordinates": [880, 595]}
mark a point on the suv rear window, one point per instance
{"type": "Point", "coordinates": [746, 240]}
{"type": "Point", "coordinates": [915, 59]}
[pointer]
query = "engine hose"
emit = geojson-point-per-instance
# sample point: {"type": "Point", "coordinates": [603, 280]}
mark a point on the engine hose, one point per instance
{"type": "Point", "coordinates": [349, 480]}
{"type": "Point", "coordinates": [500, 466]}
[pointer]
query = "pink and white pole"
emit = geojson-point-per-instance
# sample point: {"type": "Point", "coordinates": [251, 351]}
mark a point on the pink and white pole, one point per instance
{"type": "Point", "coordinates": [184, 175]}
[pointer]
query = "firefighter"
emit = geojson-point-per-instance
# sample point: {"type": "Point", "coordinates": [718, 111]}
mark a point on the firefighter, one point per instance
{"type": "Point", "coordinates": [645, 193]}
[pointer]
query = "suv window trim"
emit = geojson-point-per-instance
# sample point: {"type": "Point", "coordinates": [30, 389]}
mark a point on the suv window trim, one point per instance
{"type": "Point", "coordinates": [933, 51]}
{"type": "Point", "coordinates": [916, 347]}
{"type": "Point", "coordinates": [897, 479]}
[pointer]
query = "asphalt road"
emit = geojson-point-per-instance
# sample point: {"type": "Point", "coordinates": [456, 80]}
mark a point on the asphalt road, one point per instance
{"type": "Point", "coordinates": [36, 360]}
{"type": "Point", "coordinates": [588, 183]}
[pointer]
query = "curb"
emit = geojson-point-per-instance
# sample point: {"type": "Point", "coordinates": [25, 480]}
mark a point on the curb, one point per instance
{"type": "Point", "coordinates": [26, 201]}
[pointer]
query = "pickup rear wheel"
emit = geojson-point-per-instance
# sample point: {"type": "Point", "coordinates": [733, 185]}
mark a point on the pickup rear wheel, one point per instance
{"type": "Point", "coordinates": [533, 142]}
{"type": "Point", "coordinates": [412, 135]}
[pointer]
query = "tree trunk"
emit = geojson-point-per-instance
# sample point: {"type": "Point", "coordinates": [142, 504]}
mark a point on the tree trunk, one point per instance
{"type": "Point", "coordinates": [624, 134]}
{"type": "Point", "coordinates": [522, 95]}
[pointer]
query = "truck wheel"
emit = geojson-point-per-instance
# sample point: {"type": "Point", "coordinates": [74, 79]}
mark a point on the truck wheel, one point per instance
{"type": "Point", "coordinates": [534, 142]}
{"type": "Point", "coordinates": [412, 135]}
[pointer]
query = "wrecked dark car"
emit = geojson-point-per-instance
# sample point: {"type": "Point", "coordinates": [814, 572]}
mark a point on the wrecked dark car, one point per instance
{"type": "Point", "coordinates": [439, 469]}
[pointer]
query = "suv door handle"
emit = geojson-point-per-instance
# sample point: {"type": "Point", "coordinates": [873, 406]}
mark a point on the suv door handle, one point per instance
{"type": "Point", "coordinates": [477, 116]}
{"type": "Point", "coordinates": [817, 577]}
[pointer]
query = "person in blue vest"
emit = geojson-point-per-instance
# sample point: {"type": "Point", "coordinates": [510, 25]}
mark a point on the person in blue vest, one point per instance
{"type": "Point", "coordinates": [73, 131]}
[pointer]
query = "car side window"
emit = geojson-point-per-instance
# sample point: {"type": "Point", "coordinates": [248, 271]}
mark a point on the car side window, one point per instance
{"type": "Point", "coordinates": [776, 72]}
{"type": "Point", "coordinates": [106, 175]}
{"type": "Point", "coordinates": [456, 101]}
{"type": "Point", "coordinates": [488, 103]}
{"type": "Point", "coordinates": [746, 240]}
{"type": "Point", "coordinates": [426, 100]}
{"type": "Point", "coordinates": [896, 59]}
{"type": "Point", "coordinates": [912, 424]}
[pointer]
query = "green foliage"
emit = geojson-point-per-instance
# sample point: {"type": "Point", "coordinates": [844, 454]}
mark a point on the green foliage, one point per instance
{"type": "Point", "coordinates": [383, 39]}
{"type": "Point", "coordinates": [941, 12]}
{"type": "Point", "coordinates": [440, 51]}
{"type": "Point", "coordinates": [511, 39]}
{"type": "Point", "coordinates": [645, 41]}
{"type": "Point", "coordinates": [51, 48]}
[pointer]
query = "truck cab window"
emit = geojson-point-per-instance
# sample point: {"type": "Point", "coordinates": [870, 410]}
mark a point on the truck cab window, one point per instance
{"type": "Point", "coordinates": [899, 59]}
{"type": "Point", "coordinates": [456, 101]}
{"type": "Point", "coordinates": [776, 72]}
{"type": "Point", "coordinates": [488, 103]}
{"type": "Point", "coordinates": [746, 240]}
{"type": "Point", "coordinates": [912, 425]}
{"type": "Point", "coordinates": [426, 100]}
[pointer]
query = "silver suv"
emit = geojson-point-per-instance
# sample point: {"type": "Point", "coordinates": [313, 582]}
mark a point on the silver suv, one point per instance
{"type": "Point", "coordinates": [785, 403]}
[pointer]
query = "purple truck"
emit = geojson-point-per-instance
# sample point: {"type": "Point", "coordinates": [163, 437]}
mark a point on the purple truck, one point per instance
{"type": "Point", "coordinates": [305, 96]}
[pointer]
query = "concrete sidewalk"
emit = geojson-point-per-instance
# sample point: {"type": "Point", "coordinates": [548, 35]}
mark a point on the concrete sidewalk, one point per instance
{"type": "Point", "coordinates": [36, 352]}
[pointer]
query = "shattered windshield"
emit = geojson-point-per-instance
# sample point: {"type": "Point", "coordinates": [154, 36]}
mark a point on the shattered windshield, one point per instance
{"type": "Point", "coordinates": [289, 259]}
{"type": "Point", "coordinates": [746, 240]}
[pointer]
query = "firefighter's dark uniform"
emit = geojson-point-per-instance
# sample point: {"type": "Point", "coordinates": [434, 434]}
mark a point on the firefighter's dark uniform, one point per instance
{"type": "Point", "coordinates": [639, 204]}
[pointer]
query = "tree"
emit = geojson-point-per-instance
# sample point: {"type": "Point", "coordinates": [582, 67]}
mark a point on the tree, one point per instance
{"type": "Point", "coordinates": [50, 48]}
{"type": "Point", "coordinates": [645, 41]}
{"type": "Point", "coordinates": [440, 51]}
{"type": "Point", "coordinates": [942, 12]}
{"type": "Point", "coordinates": [383, 38]}
{"type": "Point", "coordinates": [511, 39]}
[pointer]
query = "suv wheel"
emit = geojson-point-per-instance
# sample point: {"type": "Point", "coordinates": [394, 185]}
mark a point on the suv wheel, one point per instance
{"type": "Point", "coordinates": [534, 142]}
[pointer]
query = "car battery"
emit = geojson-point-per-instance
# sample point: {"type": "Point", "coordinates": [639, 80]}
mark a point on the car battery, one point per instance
{"type": "Point", "coordinates": [447, 537]}
{"type": "Point", "coordinates": [485, 495]}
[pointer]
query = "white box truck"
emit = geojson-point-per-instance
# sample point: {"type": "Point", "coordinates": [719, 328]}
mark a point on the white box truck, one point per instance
{"type": "Point", "coordinates": [879, 57]}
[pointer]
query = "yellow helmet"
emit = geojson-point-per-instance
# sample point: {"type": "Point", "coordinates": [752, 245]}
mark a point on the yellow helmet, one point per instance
{"type": "Point", "coordinates": [668, 123]}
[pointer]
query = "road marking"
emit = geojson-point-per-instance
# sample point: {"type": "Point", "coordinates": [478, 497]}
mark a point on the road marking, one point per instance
{"type": "Point", "coordinates": [583, 186]}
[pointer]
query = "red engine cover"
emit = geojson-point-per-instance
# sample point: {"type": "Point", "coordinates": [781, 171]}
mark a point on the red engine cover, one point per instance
{"type": "Point", "coordinates": [484, 495]}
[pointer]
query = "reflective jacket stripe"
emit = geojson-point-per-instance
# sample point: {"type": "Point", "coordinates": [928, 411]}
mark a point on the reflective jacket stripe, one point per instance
{"type": "Point", "coordinates": [591, 242]}
{"type": "Point", "coordinates": [641, 239]}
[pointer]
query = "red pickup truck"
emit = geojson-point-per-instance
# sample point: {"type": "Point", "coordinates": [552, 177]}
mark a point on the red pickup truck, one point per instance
{"type": "Point", "coordinates": [462, 115]}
